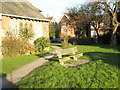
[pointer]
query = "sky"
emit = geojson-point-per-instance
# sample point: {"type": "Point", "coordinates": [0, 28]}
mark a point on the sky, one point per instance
{"type": "Point", "coordinates": [55, 8]}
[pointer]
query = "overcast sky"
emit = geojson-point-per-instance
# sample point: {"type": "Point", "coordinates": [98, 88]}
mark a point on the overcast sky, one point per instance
{"type": "Point", "coordinates": [55, 8]}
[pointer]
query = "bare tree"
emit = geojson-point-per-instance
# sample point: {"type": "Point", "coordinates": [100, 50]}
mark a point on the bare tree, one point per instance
{"type": "Point", "coordinates": [86, 15]}
{"type": "Point", "coordinates": [79, 20]}
{"type": "Point", "coordinates": [112, 9]}
{"type": "Point", "coordinates": [91, 13]}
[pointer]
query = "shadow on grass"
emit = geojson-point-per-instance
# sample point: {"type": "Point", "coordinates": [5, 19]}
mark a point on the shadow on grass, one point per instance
{"type": "Point", "coordinates": [110, 58]}
{"type": "Point", "coordinates": [41, 54]}
{"type": "Point", "coordinates": [59, 45]}
{"type": "Point", "coordinates": [6, 84]}
{"type": "Point", "coordinates": [108, 46]}
{"type": "Point", "coordinates": [55, 58]}
{"type": "Point", "coordinates": [111, 47]}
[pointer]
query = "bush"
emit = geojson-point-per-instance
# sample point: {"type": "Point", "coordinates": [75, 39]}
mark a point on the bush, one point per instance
{"type": "Point", "coordinates": [65, 44]}
{"type": "Point", "coordinates": [12, 46]}
{"type": "Point", "coordinates": [51, 31]}
{"type": "Point", "coordinates": [105, 39]}
{"type": "Point", "coordinates": [41, 43]}
{"type": "Point", "coordinates": [86, 41]}
{"type": "Point", "coordinates": [83, 41]}
{"type": "Point", "coordinates": [73, 41]}
{"type": "Point", "coordinates": [26, 48]}
{"type": "Point", "coordinates": [26, 33]}
{"type": "Point", "coordinates": [65, 37]}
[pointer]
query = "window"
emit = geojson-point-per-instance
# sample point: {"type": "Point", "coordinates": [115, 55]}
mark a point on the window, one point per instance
{"type": "Point", "coordinates": [63, 24]}
{"type": "Point", "coordinates": [64, 31]}
{"type": "Point", "coordinates": [93, 33]}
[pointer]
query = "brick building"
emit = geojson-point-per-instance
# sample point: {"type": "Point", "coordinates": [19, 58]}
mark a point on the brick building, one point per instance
{"type": "Point", "coordinates": [65, 26]}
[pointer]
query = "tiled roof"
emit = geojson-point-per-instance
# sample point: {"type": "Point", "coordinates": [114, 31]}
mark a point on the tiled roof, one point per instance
{"type": "Point", "coordinates": [25, 9]}
{"type": "Point", "coordinates": [50, 18]}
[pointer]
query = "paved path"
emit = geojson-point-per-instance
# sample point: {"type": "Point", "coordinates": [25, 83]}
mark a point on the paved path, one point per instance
{"type": "Point", "coordinates": [10, 79]}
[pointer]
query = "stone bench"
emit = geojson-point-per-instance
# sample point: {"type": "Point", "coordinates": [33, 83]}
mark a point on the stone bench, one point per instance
{"type": "Point", "coordinates": [61, 52]}
{"type": "Point", "coordinates": [76, 56]}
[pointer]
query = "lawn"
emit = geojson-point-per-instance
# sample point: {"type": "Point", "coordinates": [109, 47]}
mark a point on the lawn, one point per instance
{"type": "Point", "coordinates": [102, 72]}
{"type": "Point", "coordinates": [56, 44]}
{"type": "Point", "coordinates": [9, 64]}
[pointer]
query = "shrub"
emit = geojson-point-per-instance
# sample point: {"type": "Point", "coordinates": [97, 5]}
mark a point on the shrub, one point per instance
{"type": "Point", "coordinates": [105, 39]}
{"type": "Point", "coordinates": [41, 43]}
{"type": "Point", "coordinates": [26, 48]}
{"type": "Point", "coordinates": [51, 31]}
{"type": "Point", "coordinates": [65, 44]}
{"type": "Point", "coordinates": [65, 37]}
{"type": "Point", "coordinates": [86, 41]}
{"type": "Point", "coordinates": [82, 41]}
{"type": "Point", "coordinates": [73, 41]}
{"type": "Point", "coordinates": [26, 33]}
{"type": "Point", "coordinates": [12, 46]}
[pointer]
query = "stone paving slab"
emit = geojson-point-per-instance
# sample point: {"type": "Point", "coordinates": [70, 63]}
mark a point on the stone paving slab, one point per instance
{"type": "Point", "coordinates": [76, 63]}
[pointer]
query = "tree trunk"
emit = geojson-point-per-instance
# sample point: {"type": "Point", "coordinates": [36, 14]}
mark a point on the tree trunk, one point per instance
{"type": "Point", "coordinates": [115, 23]}
{"type": "Point", "coordinates": [98, 36]}
{"type": "Point", "coordinates": [113, 41]}
{"type": "Point", "coordinates": [88, 33]}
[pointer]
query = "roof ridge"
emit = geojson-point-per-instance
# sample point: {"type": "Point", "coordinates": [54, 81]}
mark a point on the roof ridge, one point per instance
{"type": "Point", "coordinates": [13, 0]}
{"type": "Point", "coordinates": [22, 9]}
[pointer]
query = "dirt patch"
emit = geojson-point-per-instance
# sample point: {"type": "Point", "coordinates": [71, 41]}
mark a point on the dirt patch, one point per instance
{"type": "Point", "coordinates": [76, 63]}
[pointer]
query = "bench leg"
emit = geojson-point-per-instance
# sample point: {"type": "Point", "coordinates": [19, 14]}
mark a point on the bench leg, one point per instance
{"type": "Point", "coordinates": [61, 63]}
{"type": "Point", "coordinates": [74, 58]}
{"type": "Point", "coordinates": [60, 56]}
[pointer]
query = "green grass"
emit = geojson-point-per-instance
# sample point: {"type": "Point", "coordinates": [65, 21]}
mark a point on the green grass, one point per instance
{"type": "Point", "coordinates": [102, 72]}
{"type": "Point", "coordinates": [9, 64]}
{"type": "Point", "coordinates": [56, 44]}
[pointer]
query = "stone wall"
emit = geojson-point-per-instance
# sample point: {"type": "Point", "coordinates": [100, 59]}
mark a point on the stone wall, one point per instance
{"type": "Point", "coordinates": [40, 28]}
{"type": "Point", "coordinates": [37, 30]}
{"type": "Point", "coordinates": [45, 29]}
{"type": "Point", "coordinates": [16, 24]}
{"type": "Point", "coordinates": [5, 22]}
